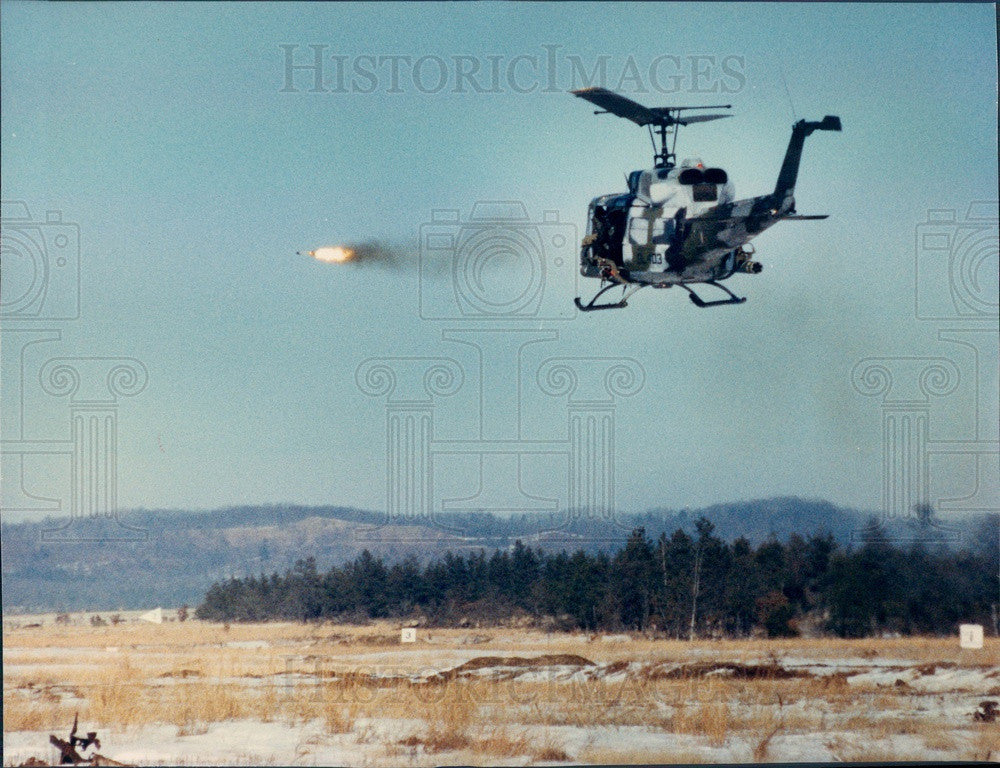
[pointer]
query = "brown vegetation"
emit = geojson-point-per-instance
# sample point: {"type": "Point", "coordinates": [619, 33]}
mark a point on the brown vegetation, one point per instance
{"type": "Point", "coordinates": [693, 696]}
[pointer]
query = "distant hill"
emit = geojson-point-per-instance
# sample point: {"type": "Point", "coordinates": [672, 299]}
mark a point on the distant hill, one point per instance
{"type": "Point", "coordinates": [170, 557]}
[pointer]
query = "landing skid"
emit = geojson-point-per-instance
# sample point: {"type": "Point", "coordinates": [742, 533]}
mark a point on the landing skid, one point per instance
{"type": "Point", "coordinates": [700, 302]}
{"type": "Point", "coordinates": [591, 306]}
{"type": "Point", "coordinates": [623, 302]}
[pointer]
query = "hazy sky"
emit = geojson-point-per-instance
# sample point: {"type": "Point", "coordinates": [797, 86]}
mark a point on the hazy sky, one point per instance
{"type": "Point", "coordinates": [171, 136]}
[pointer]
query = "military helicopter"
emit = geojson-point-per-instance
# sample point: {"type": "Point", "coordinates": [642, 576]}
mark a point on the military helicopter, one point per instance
{"type": "Point", "coordinates": [680, 224]}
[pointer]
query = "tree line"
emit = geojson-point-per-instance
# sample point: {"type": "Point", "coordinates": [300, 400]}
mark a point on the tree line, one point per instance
{"type": "Point", "coordinates": [680, 586]}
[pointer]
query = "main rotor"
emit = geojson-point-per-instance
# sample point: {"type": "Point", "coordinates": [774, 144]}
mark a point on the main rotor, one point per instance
{"type": "Point", "coordinates": [664, 121]}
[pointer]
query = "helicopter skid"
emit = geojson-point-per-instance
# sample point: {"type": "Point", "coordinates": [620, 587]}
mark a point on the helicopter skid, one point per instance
{"type": "Point", "coordinates": [590, 306]}
{"type": "Point", "coordinates": [700, 302]}
{"type": "Point", "coordinates": [633, 287]}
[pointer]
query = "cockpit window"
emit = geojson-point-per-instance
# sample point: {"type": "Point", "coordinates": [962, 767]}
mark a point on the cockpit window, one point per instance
{"type": "Point", "coordinates": [642, 184]}
{"type": "Point", "coordinates": [633, 181]}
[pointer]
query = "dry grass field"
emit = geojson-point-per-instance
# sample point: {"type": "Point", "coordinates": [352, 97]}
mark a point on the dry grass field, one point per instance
{"type": "Point", "coordinates": [199, 693]}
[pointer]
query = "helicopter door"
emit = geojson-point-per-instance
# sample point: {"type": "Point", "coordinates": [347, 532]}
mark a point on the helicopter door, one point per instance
{"type": "Point", "coordinates": [607, 228]}
{"type": "Point", "coordinates": [649, 238]}
{"type": "Point", "coordinates": [616, 233]}
{"type": "Point", "coordinates": [645, 231]}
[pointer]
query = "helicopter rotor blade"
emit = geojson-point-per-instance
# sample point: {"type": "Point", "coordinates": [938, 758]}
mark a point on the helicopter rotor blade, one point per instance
{"type": "Point", "coordinates": [666, 120]}
{"type": "Point", "coordinates": [700, 118]}
{"type": "Point", "coordinates": [617, 104]}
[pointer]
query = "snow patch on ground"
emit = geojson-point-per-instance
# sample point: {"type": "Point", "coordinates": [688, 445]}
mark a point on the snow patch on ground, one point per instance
{"type": "Point", "coordinates": [248, 645]}
{"type": "Point", "coordinates": [238, 742]}
{"type": "Point", "coordinates": [941, 694]}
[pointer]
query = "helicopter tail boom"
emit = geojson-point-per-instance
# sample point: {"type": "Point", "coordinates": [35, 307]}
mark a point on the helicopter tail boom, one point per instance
{"type": "Point", "coordinates": [789, 173]}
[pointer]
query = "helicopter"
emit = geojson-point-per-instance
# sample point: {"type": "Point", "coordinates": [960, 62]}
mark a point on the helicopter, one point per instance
{"type": "Point", "coordinates": [680, 224]}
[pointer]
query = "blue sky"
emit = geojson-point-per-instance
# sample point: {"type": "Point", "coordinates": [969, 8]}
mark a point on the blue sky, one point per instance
{"type": "Point", "coordinates": [163, 131]}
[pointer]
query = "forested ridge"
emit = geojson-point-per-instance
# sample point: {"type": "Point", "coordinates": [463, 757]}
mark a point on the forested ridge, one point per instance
{"type": "Point", "coordinates": [679, 585]}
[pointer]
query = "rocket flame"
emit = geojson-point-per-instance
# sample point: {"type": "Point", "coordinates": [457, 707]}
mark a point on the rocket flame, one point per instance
{"type": "Point", "coordinates": [371, 252]}
{"type": "Point", "coordinates": [332, 254]}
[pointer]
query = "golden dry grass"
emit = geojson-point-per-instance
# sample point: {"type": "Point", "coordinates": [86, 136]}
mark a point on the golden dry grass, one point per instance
{"type": "Point", "coordinates": [355, 639]}
{"type": "Point", "coordinates": [23, 715]}
{"type": "Point", "coordinates": [985, 743]}
{"type": "Point", "coordinates": [939, 740]}
{"type": "Point", "coordinates": [193, 674]}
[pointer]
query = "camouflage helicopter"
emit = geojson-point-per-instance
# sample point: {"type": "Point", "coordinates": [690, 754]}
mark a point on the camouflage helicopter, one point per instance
{"type": "Point", "coordinates": [680, 224]}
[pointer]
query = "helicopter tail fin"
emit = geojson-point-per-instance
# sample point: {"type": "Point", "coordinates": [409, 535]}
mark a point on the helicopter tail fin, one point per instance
{"type": "Point", "coordinates": [785, 186]}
